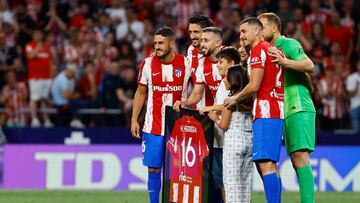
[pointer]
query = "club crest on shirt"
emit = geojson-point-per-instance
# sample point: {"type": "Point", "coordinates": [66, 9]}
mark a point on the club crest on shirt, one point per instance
{"type": "Point", "coordinates": [177, 72]}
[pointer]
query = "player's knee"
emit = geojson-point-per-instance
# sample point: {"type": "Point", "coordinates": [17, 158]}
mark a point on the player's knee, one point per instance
{"type": "Point", "coordinates": [267, 167]}
{"type": "Point", "coordinates": [154, 170]}
{"type": "Point", "coordinates": [300, 159]}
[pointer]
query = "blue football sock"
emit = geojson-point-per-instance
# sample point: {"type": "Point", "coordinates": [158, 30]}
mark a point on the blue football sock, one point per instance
{"type": "Point", "coordinates": [154, 186]}
{"type": "Point", "coordinates": [272, 186]}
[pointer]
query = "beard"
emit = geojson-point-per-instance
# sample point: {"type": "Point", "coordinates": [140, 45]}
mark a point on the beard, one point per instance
{"type": "Point", "coordinates": [269, 38]}
{"type": "Point", "coordinates": [207, 52]}
{"type": "Point", "coordinates": [164, 53]}
{"type": "Point", "coordinates": [195, 42]}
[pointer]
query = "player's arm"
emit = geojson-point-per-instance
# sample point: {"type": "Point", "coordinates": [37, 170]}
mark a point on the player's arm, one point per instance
{"type": "Point", "coordinates": [256, 76]}
{"type": "Point", "coordinates": [194, 97]}
{"type": "Point", "coordinates": [139, 99]}
{"type": "Point", "coordinates": [303, 65]}
{"type": "Point", "coordinates": [224, 121]}
{"type": "Point", "coordinates": [210, 108]}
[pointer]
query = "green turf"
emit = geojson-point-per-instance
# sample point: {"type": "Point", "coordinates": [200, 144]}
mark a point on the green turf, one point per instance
{"type": "Point", "coordinates": [139, 197]}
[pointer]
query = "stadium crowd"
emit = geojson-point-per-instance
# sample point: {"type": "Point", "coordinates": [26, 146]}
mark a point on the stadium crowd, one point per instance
{"type": "Point", "coordinates": [91, 49]}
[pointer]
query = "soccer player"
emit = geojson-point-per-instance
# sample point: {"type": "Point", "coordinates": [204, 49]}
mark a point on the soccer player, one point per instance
{"type": "Point", "coordinates": [266, 82]}
{"type": "Point", "coordinates": [196, 24]}
{"type": "Point", "coordinates": [207, 75]}
{"type": "Point", "coordinates": [163, 79]}
{"type": "Point", "coordinates": [299, 110]}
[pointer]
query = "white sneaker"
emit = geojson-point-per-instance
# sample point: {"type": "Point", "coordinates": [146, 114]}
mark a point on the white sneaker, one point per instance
{"type": "Point", "coordinates": [48, 124]}
{"type": "Point", "coordinates": [76, 123]}
{"type": "Point", "coordinates": [35, 123]}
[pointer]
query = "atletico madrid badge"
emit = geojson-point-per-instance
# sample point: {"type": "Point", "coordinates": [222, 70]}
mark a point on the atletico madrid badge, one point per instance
{"type": "Point", "coordinates": [178, 72]}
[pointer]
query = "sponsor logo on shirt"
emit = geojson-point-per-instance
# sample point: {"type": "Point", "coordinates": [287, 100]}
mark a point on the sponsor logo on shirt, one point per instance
{"type": "Point", "coordinates": [211, 87]}
{"type": "Point", "coordinates": [255, 60]}
{"type": "Point", "coordinates": [185, 178]}
{"type": "Point", "coordinates": [274, 94]}
{"type": "Point", "coordinates": [167, 88]}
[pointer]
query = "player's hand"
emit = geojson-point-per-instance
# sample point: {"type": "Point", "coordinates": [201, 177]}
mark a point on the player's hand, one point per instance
{"type": "Point", "coordinates": [213, 116]}
{"type": "Point", "coordinates": [231, 101]}
{"type": "Point", "coordinates": [135, 129]}
{"type": "Point", "coordinates": [178, 104]}
{"type": "Point", "coordinates": [204, 110]}
{"type": "Point", "coordinates": [278, 57]}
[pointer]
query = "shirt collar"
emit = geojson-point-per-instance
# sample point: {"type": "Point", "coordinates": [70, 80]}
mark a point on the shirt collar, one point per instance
{"type": "Point", "coordinates": [280, 40]}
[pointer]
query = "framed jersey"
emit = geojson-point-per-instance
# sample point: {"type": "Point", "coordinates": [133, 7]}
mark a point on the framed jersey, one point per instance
{"type": "Point", "coordinates": [187, 171]}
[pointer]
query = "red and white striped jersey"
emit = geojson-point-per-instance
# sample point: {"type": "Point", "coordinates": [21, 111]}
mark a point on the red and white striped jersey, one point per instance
{"type": "Point", "coordinates": [193, 56]}
{"type": "Point", "coordinates": [207, 73]}
{"type": "Point", "coordinates": [188, 148]}
{"type": "Point", "coordinates": [166, 83]}
{"type": "Point", "coordinates": [333, 107]}
{"type": "Point", "coordinates": [269, 101]}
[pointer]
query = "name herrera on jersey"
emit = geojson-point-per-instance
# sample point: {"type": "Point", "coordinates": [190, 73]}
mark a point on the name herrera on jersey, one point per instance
{"type": "Point", "coordinates": [167, 88]}
{"type": "Point", "coordinates": [188, 129]}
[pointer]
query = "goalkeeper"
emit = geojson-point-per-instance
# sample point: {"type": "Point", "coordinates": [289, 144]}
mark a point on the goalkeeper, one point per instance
{"type": "Point", "coordinates": [299, 133]}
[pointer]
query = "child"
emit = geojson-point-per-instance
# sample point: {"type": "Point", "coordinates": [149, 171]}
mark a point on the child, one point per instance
{"type": "Point", "coordinates": [238, 138]}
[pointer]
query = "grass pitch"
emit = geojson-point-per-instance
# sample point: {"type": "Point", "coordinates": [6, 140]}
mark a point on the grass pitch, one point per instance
{"type": "Point", "coordinates": [7, 196]}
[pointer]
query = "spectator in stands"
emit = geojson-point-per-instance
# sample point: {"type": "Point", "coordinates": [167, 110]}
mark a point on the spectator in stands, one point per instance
{"type": "Point", "coordinates": [105, 24]}
{"type": "Point", "coordinates": [230, 28]}
{"type": "Point", "coordinates": [285, 11]}
{"type": "Point", "coordinates": [78, 19]}
{"type": "Point", "coordinates": [9, 58]}
{"type": "Point", "coordinates": [335, 57]}
{"type": "Point", "coordinates": [55, 24]}
{"type": "Point", "coordinates": [127, 90]}
{"type": "Point", "coordinates": [317, 14]}
{"type": "Point", "coordinates": [331, 89]}
{"type": "Point", "coordinates": [320, 45]}
{"type": "Point", "coordinates": [109, 46]}
{"type": "Point", "coordinates": [353, 88]}
{"type": "Point", "coordinates": [340, 34]}
{"type": "Point", "coordinates": [117, 11]}
{"type": "Point", "coordinates": [13, 96]}
{"type": "Point", "coordinates": [62, 92]}
{"type": "Point", "coordinates": [109, 94]}
{"type": "Point", "coordinates": [132, 29]}
{"type": "Point", "coordinates": [26, 24]}
{"type": "Point", "coordinates": [73, 49]}
{"type": "Point", "coordinates": [88, 83]}
{"type": "Point", "coordinates": [39, 66]}
{"type": "Point", "coordinates": [90, 36]}
{"type": "Point", "coordinates": [127, 54]}
{"type": "Point", "coordinates": [7, 15]}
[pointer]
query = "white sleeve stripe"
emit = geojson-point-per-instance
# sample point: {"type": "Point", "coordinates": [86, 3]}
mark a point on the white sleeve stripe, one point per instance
{"type": "Point", "coordinates": [263, 57]}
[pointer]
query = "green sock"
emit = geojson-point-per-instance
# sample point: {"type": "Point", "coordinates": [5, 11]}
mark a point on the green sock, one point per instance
{"type": "Point", "coordinates": [306, 182]}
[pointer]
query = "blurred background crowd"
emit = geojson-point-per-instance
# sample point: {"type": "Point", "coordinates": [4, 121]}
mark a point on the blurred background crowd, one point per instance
{"type": "Point", "coordinates": [75, 62]}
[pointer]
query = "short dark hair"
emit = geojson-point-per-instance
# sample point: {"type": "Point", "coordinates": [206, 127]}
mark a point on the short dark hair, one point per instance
{"type": "Point", "coordinates": [252, 21]}
{"type": "Point", "coordinates": [201, 20]}
{"type": "Point", "coordinates": [230, 54]}
{"type": "Point", "coordinates": [165, 32]}
{"type": "Point", "coordinates": [273, 18]}
{"type": "Point", "coordinates": [215, 30]}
